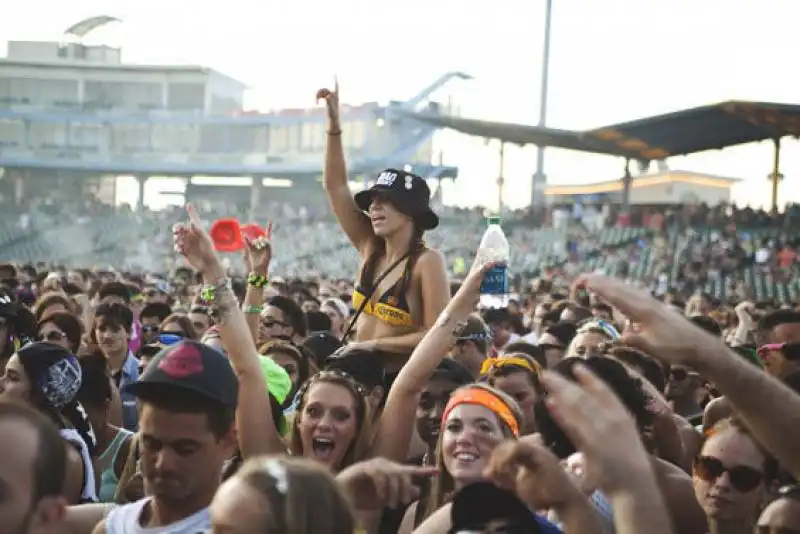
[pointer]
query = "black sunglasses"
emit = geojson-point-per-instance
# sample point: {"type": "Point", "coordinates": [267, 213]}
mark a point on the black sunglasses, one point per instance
{"type": "Point", "coordinates": [679, 374]}
{"type": "Point", "coordinates": [744, 479]}
{"type": "Point", "coordinates": [53, 336]}
{"type": "Point", "coordinates": [269, 323]}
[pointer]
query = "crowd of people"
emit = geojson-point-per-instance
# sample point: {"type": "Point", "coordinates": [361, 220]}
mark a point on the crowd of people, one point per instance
{"type": "Point", "coordinates": [631, 399]}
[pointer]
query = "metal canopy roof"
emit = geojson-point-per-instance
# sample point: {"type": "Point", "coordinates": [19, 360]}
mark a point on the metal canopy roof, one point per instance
{"type": "Point", "coordinates": [82, 28]}
{"type": "Point", "coordinates": [521, 134]}
{"type": "Point", "coordinates": [683, 132]}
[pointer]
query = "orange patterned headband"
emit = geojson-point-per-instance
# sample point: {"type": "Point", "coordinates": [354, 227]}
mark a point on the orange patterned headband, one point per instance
{"type": "Point", "coordinates": [493, 363]}
{"type": "Point", "coordinates": [484, 398]}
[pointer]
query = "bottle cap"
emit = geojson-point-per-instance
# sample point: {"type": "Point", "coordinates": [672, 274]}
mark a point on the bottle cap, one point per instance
{"type": "Point", "coordinates": [494, 219]}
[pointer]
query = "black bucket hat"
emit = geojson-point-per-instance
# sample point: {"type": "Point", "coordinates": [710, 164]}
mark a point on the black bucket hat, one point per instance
{"type": "Point", "coordinates": [481, 503]}
{"type": "Point", "coordinates": [407, 192]}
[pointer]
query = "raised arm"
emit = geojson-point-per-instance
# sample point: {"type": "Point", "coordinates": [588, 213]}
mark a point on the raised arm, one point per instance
{"type": "Point", "coordinates": [334, 178]}
{"type": "Point", "coordinates": [257, 255]}
{"type": "Point", "coordinates": [256, 431]}
{"type": "Point", "coordinates": [397, 420]}
{"type": "Point", "coordinates": [767, 406]}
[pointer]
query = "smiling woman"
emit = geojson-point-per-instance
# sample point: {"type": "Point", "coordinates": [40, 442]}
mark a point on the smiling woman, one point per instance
{"type": "Point", "coordinates": [477, 419]}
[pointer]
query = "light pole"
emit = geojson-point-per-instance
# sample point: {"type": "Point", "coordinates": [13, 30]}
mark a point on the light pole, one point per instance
{"type": "Point", "coordinates": [540, 178]}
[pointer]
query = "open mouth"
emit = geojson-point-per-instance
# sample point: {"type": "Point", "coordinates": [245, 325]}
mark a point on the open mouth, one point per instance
{"type": "Point", "coordinates": [377, 218]}
{"type": "Point", "coordinates": [323, 448]}
{"type": "Point", "coordinates": [466, 459]}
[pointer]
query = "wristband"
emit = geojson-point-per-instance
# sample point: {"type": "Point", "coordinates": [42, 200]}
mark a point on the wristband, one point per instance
{"type": "Point", "coordinates": [209, 290]}
{"type": "Point", "coordinates": [257, 280]}
{"type": "Point", "coordinates": [253, 309]}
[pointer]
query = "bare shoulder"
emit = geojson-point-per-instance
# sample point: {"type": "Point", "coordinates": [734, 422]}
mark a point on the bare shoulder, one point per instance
{"type": "Point", "coordinates": [99, 528]}
{"type": "Point", "coordinates": [86, 518]}
{"type": "Point", "coordinates": [431, 259]}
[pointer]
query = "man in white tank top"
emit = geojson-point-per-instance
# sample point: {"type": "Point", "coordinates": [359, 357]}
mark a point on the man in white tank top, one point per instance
{"type": "Point", "coordinates": [186, 432]}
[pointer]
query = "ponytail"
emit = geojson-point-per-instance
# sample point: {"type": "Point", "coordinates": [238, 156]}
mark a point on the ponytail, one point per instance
{"type": "Point", "coordinates": [76, 416]}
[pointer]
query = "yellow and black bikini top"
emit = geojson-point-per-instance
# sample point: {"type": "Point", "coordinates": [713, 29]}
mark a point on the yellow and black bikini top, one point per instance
{"type": "Point", "coordinates": [392, 306]}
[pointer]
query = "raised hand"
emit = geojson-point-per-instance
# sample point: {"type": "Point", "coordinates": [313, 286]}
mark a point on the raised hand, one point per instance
{"type": "Point", "coordinates": [377, 483]}
{"type": "Point", "coordinates": [468, 295]}
{"type": "Point", "coordinates": [193, 242]}
{"type": "Point", "coordinates": [598, 424]}
{"type": "Point", "coordinates": [258, 252]}
{"type": "Point", "coordinates": [662, 332]}
{"type": "Point", "coordinates": [533, 472]}
{"type": "Point", "coordinates": [332, 102]}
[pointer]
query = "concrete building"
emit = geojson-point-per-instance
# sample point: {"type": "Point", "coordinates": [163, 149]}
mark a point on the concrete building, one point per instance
{"type": "Point", "coordinates": [668, 187]}
{"type": "Point", "coordinates": [79, 113]}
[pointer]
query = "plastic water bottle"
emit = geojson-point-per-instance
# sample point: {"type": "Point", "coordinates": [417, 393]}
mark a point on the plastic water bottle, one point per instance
{"type": "Point", "coordinates": [494, 248]}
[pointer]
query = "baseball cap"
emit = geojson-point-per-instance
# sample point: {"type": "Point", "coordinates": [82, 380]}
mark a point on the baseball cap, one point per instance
{"type": "Point", "coordinates": [473, 329]}
{"type": "Point", "coordinates": [366, 366]}
{"type": "Point", "coordinates": [470, 512]}
{"type": "Point", "coordinates": [322, 345]}
{"type": "Point", "coordinates": [279, 384]}
{"type": "Point", "coordinates": [189, 366]}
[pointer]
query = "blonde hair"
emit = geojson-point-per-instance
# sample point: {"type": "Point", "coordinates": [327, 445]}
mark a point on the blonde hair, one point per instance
{"type": "Point", "coordinates": [357, 450]}
{"type": "Point", "coordinates": [443, 484]}
{"type": "Point", "coordinates": [303, 496]}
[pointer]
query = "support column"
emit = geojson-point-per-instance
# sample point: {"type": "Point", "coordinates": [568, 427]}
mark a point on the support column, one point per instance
{"type": "Point", "coordinates": [256, 189]}
{"type": "Point", "coordinates": [140, 180]}
{"type": "Point", "coordinates": [165, 95]}
{"type": "Point", "coordinates": [19, 187]}
{"type": "Point", "coordinates": [627, 179]}
{"type": "Point", "coordinates": [540, 178]}
{"type": "Point", "coordinates": [776, 176]}
{"type": "Point", "coordinates": [187, 190]}
{"type": "Point", "coordinates": [500, 177]}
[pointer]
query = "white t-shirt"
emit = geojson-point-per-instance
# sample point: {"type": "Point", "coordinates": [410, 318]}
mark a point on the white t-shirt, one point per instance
{"type": "Point", "coordinates": [125, 520]}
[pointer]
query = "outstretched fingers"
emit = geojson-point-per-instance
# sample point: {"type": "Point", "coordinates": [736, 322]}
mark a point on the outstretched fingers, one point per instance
{"type": "Point", "coordinates": [635, 304]}
{"type": "Point", "coordinates": [194, 218]}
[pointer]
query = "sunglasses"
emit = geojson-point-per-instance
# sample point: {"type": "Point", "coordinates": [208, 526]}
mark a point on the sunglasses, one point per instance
{"type": "Point", "coordinates": [679, 374]}
{"type": "Point", "coordinates": [790, 350]}
{"type": "Point", "coordinates": [167, 338]}
{"type": "Point", "coordinates": [789, 490]}
{"type": "Point", "coordinates": [481, 336]}
{"type": "Point", "coordinates": [52, 336]}
{"type": "Point", "coordinates": [149, 329]}
{"type": "Point", "coordinates": [743, 479]}
{"type": "Point", "coordinates": [269, 323]}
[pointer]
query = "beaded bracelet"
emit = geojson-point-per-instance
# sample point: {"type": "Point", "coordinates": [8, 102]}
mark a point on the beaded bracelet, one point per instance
{"type": "Point", "coordinates": [224, 307]}
{"type": "Point", "coordinates": [256, 280]}
{"type": "Point", "coordinates": [209, 290]}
